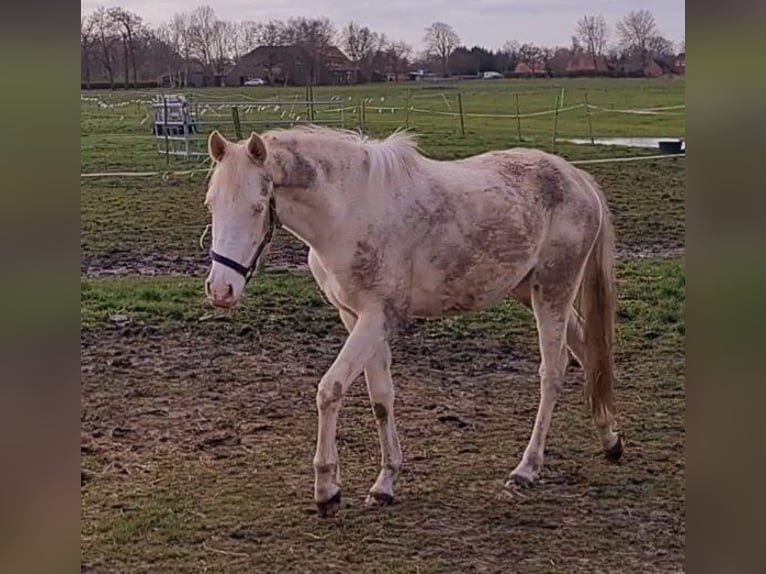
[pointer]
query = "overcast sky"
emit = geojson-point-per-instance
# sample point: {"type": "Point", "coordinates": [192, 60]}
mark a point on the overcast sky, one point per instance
{"type": "Point", "coordinates": [487, 23]}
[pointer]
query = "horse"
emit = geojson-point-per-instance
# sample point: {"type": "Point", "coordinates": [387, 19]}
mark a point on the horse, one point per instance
{"type": "Point", "coordinates": [394, 235]}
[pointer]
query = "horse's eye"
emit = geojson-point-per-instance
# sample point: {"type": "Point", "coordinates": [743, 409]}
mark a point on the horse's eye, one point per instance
{"type": "Point", "coordinates": [257, 209]}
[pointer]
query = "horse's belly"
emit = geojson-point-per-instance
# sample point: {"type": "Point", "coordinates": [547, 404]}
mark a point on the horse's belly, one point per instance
{"type": "Point", "coordinates": [433, 293]}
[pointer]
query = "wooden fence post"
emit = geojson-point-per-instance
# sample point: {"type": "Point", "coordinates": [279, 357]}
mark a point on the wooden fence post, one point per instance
{"type": "Point", "coordinates": [518, 117]}
{"type": "Point", "coordinates": [590, 121]}
{"type": "Point", "coordinates": [555, 125]}
{"type": "Point", "coordinates": [165, 128]}
{"type": "Point", "coordinates": [407, 109]}
{"type": "Point", "coordinates": [235, 119]}
{"type": "Point", "coordinates": [460, 108]}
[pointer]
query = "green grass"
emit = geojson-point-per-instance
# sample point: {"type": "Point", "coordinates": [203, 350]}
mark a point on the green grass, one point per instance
{"type": "Point", "coordinates": [114, 138]}
{"type": "Point", "coordinates": [650, 312]}
{"type": "Point", "coordinates": [149, 217]}
{"type": "Point", "coordinates": [200, 425]}
{"type": "Point", "coordinates": [201, 437]}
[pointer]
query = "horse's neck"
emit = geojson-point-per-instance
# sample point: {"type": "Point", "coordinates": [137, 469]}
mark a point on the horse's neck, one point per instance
{"type": "Point", "coordinates": [300, 217]}
{"type": "Point", "coordinates": [312, 215]}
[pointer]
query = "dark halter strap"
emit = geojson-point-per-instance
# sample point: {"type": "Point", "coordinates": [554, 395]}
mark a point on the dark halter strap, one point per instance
{"type": "Point", "coordinates": [249, 271]}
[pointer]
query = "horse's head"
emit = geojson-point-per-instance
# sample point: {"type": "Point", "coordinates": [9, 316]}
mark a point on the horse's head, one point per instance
{"type": "Point", "coordinates": [240, 201]}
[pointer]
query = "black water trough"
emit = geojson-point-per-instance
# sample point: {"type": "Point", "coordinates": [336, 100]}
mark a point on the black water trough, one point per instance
{"type": "Point", "coordinates": [670, 146]}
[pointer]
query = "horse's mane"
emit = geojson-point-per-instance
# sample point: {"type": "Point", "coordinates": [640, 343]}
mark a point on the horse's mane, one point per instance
{"type": "Point", "coordinates": [391, 157]}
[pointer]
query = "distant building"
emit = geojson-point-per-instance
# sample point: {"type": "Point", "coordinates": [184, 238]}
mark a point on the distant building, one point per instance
{"type": "Point", "coordinates": [420, 75]}
{"type": "Point", "coordinates": [529, 70]}
{"type": "Point", "coordinates": [194, 78]}
{"type": "Point", "coordinates": [292, 65]}
{"type": "Point", "coordinates": [586, 65]}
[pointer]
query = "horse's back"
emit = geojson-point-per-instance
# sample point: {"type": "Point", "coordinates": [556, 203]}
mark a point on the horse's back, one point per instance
{"type": "Point", "coordinates": [489, 218]}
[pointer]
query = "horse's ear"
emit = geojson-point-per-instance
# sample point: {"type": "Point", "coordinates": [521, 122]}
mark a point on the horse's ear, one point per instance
{"type": "Point", "coordinates": [256, 149]}
{"type": "Point", "coordinates": [216, 146]}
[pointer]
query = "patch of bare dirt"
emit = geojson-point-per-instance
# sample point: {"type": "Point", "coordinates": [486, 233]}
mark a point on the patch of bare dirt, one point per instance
{"type": "Point", "coordinates": [287, 253]}
{"type": "Point", "coordinates": [197, 449]}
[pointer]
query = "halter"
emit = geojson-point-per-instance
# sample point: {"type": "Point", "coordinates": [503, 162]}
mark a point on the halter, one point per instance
{"type": "Point", "coordinates": [247, 272]}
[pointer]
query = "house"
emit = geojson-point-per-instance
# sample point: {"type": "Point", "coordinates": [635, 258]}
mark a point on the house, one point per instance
{"type": "Point", "coordinates": [586, 65]}
{"type": "Point", "coordinates": [293, 65]}
{"type": "Point", "coordinates": [529, 70]}
{"type": "Point", "coordinates": [653, 69]}
{"type": "Point", "coordinates": [420, 75]}
{"type": "Point", "coordinates": [679, 64]}
{"type": "Point", "coordinates": [195, 75]}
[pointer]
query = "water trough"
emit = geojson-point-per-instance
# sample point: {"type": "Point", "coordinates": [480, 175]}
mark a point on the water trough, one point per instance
{"type": "Point", "coordinates": [665, 145]}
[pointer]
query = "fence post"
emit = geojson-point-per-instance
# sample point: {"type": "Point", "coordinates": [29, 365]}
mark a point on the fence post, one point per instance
{"type": "Point", "coordinates": [235, 119]}
{"type": "Point", "coordinates": [165, 128]}
{"type": "Point", "coordinates": [311, 102]}
{"type": "Point", "coordinates": [555, 124]}
{"type": "Point", "coordinates": [518, 117]}
{"type": "Point", "coordinates": [590, 121]}
{"type": "Point", "coordinates": [362, 114]}
{"type": "Point", "coordinates": [460, 108]}
{"type": "Point", "coordinates": [407, 109]}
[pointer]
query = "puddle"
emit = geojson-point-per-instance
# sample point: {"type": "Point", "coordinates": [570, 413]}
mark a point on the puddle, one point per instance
{"type": "Point", "coordinates": [653, 143]}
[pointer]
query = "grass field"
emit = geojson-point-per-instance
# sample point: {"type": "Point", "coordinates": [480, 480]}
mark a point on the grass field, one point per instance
{"type": "Point", "coordinates": [198, 430]}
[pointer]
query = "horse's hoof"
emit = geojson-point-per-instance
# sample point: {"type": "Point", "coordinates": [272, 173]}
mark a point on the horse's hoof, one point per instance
{"type": "Point", "coordinates": [330, 507]}
{"type": "Point", "coordinates": [378, 499]}
{"type": "Point", "coordinates": [518, 482]}
{"type": "Point", "coordinates": [614, 453]}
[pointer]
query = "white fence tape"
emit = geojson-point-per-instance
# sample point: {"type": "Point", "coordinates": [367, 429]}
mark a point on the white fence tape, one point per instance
{"type": "Point", "coordinates": [167, 174]}
{"type": "Point", "coordinates": [664, 111]}
{"type": "Point", "coordinates": [626, 159]}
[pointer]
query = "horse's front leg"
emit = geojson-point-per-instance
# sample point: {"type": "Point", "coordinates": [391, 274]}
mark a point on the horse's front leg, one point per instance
{"type": "Point", "coordinates": [367, 336]}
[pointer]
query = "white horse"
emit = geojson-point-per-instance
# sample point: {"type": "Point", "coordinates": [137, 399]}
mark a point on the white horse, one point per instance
{"type": "Point", "coordinates": [394, 235]}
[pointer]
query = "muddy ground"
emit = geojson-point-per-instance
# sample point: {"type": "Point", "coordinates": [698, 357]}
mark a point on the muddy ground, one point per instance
{"type": "Point", "coordinates": [286, 254]}
{"type": "Point", "coordinates": [198, 436]}
{"type": "Point", "coordinates": [198, 431]}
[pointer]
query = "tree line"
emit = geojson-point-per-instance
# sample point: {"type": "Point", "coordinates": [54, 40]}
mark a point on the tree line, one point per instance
{"type": "Point", "coordinates": [119, 47]}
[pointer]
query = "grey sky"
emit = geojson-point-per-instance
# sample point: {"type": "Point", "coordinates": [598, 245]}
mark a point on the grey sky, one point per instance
{"type": "Point", "coordinates": [487, 23]}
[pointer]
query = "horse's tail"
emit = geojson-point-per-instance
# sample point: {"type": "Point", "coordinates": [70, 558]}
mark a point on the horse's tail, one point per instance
{"type": "Point", "coordinates": [597, 301]}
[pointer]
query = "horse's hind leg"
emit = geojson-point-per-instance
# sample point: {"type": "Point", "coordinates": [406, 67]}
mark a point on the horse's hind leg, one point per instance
{"type": "Point", "coordinates": [575, 340]}
{"type": "Point", "coordinates": [552, 293]}
{"type": "Point", "coordinates": [576, 343]}
{"type": "Point", "coordinates": [380, 387]}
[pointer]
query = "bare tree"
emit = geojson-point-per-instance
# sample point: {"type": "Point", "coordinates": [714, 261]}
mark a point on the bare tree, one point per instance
{"type": "Point", "coordinates": [547, 56]}
{"type": "Point", "coordinates": [272, 33]}
{"type": "Point", "coordinates": [592, 31]}
{"type": "Point", "coordinates": [312, 37]}
{"type": "Point", "coordinates": [509, 55]}
{"type": "Point", "coordinates": [128, 24]}
{"type": "Point", "coordinates": [222, 46]}
{"type": "Point", "coordinates": [533, 56]}
{"type": "Point", "coordinates": [103, 28]}
{"type": "Point", "coordinates": [635, 31]}
{"type": "Point", "coordinates": [661, 47]}
{"type": "Point", "coordinates": [399, 54]}
{"type": "Point", "coordinates": [248, 35]}
{"type": "Point", "coordinates": [361, 44]}
{"type": "Point", "coordinates": [236, 38]}
{"type": "Point", "coordinates": [270, 36]}
{"type": "Point", "coordinates": [202, 35]}
{"type": "Point", "coordinates": [178, 35]}
{"type": "Point", "coordinates": [440, 40]}
{"type": "Point", "coordinates": [87, 41]}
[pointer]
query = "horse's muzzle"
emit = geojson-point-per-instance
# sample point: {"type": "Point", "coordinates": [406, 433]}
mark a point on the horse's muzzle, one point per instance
{"type": "Point", "coordinates": [220, 295]}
